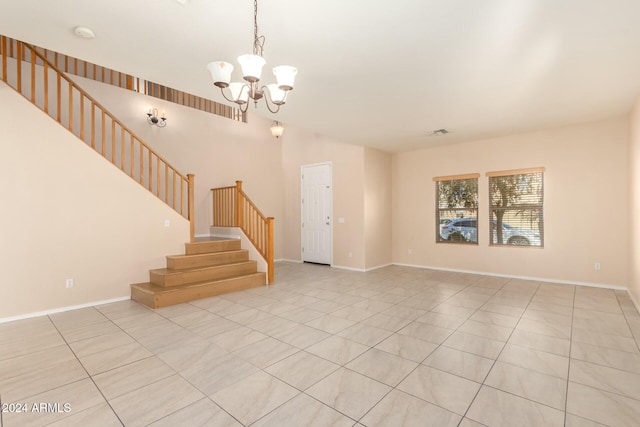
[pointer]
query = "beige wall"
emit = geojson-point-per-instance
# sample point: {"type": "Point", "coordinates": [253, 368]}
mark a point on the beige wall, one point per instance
{"type": "Point", "coordinates": [303, 148]}
{"type": "Point", "coordinates": [68, 213]}
{"type": "Point", "coordinates": [377, 208]}
{"type": "Point", "coordinates": [634, 203]}
{"type": "Point", "coordinates": [386, 200]}
{"type": "Point", "coordinates": [586, 203]}
{"type": "Point", "coordinates": [217, 150]}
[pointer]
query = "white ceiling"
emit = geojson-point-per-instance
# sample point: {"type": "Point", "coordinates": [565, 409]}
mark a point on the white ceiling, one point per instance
{"type": "Point", "coordinates": [379, 73]}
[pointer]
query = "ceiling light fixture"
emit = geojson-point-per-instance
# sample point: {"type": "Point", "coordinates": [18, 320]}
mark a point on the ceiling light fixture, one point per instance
{"type": "Point", "coordinates": [277, 129]}
{"type": "Point", "coordinates": [274, 94]}
{"type": "Point", "coordinates": [152, 118]}
{"type": "Point", "coordinates": [84, 33]}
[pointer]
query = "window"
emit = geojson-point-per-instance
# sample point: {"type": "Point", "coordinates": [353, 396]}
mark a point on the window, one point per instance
{"type": "Point", "coordinates": [516, 207]}
{"type": "Point", "coordinates": [457, 208]}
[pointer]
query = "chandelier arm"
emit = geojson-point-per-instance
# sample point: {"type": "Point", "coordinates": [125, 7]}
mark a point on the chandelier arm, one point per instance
{"type": "Point", "coordinates": [251, 89]}
{"type": "Point", "coordinates": [265, 89]}
{"type": "Point", "coordinates": [266, 96]}
{"type": "Point", "coordinates": [266, 101]}
{"type": "Point", "coordinates": [242, 107]}
{"type": "Point", "coordinates": [225, 96]}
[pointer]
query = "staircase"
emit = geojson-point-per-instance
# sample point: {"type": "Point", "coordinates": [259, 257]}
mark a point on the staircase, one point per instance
{"type": "Point", "coordinates": [29, 70]}
{"type": "Point", "coordinates": [209, 267]}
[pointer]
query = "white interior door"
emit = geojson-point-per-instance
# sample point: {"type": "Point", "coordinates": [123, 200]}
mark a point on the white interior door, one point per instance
{"type": "Point", "coordinates": [316, 213]}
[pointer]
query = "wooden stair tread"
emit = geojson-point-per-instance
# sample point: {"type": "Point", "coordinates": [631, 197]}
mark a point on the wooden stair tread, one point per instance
{"type": "Point", "coordinates": [169, 271]}
{"type": "Point", "coordinates": [182, 262]}
{"type": "Point", "coordinates": [210, 246]}
{"type": "Point", "coordinates": [150, 287]}
{"type": "Point", "coordinates": [204, 255]}
{"type": "Point", "coordinates": [210, 239]}
{"type": "Point", "coordinates": [169, 277]}
{"type": "Point", "coordinates": [158, 296]}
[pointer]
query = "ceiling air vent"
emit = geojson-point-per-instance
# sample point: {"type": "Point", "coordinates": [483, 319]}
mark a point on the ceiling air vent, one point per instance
{"type": "Point", "coordinates": [439, 132]}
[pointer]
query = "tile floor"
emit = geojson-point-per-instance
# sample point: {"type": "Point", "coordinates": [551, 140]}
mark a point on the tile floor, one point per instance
{"type": "Point", "coordinates": [397, 346]}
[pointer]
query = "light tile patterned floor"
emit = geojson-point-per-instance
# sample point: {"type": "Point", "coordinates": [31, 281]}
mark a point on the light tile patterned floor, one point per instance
{"type": "Point", "coordinates": [397, 346]}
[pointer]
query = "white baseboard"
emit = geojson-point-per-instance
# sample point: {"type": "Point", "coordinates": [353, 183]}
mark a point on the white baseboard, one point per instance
{"type": "Point", "coordinates": [633, 300]}
{"type": "Point", "coordinates": [61, 309]}
{"type": "Point", "coordinates": [361, 270]}
{"type": "Point", "coordinates": [538, 279]}
{"type": "Point", "coordinates": [202, 235]}
{"type": "Point", "coordinates": [378, 267]}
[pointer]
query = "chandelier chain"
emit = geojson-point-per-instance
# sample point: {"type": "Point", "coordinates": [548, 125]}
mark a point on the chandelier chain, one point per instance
{"type": "Point", "coordinates": [255, 19]}
{"type": "Point", "coordinates": [258, 41]}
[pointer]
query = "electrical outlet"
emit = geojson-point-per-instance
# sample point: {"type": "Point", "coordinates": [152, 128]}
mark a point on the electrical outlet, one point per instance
{"type": "Point", "coordinates": [409, 251]}
{"type": "Point", "coordinates": [341, 220]}
{"type": "Point", "coordinates": [596, 266]}
{"type": "Point", "coordinates": [350, 254]}
{"type": "Point", "coordinates": [69, 283]}
{"type": "Point", "coordinates": [167, 223]}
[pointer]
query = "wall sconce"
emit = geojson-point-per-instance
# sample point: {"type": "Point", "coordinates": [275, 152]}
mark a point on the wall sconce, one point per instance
{"type": "Point", "coordinates": [152, 118]}
{"type": "Point", "coordinates": [277, 129]}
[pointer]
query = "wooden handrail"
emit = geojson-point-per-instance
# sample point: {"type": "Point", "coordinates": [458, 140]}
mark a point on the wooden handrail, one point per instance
{"type": "Point", "coordinates": [233, 208]}
{"type": "Point", "coordinates": [75, 109]}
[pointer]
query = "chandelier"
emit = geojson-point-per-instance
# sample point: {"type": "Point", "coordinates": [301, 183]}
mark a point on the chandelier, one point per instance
{"type": "Point", "coordinates": [274, 94]}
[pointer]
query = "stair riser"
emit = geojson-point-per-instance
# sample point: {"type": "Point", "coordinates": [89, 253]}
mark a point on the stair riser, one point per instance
{"type": "Point", "coordinates": [206, 260]}
{"type": "Point", "coordinates": [209, 274]}
{"type": "Point", "coordinates": [196, 248]}
{"type": "Point", "coordinates": [178, 296]}
{"type": "Point", "coordinates": [144, 298]}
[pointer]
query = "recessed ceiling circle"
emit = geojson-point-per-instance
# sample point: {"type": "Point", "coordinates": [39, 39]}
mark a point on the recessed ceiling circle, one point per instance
{"type": "Point", "coordinates": [84, 32]}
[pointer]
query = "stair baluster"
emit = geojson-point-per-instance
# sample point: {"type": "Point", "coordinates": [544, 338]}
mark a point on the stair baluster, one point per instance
{"type": "Point", "coordinates": [233, 208]}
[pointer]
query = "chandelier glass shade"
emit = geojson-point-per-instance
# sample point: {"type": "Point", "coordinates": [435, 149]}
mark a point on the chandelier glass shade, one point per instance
{"type": "Point", "coordinates": [251, 65]}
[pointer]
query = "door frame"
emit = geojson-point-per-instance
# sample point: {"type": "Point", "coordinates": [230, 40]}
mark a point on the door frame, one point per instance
{"type": "Point", "coordinates": [302, 167]}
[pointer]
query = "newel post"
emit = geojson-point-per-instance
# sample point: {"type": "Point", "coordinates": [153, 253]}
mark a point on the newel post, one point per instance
{"type": "Point", "coordinates": [270, 251]}
{"type": "Point", "coordinates": [3, 53]}
{"type": "Point", "coordinates": [239, 205]}
{"type": "Point", "coordinates": [192, 217]}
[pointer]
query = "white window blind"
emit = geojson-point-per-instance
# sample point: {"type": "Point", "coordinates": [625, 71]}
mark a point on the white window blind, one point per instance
{"type": "Point", "coordinates": [457, 209]}
{"type": "Point", "coordinates": [516, 207]}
